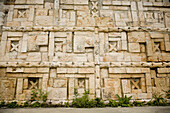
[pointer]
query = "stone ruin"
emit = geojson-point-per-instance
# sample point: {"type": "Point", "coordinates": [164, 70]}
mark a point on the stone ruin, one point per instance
{"type": "Point", "coordinates": [108, 47]}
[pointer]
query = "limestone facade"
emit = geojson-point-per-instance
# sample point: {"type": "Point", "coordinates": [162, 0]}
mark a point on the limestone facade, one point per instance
{"type": "Point", "coordinates": [108, 47]}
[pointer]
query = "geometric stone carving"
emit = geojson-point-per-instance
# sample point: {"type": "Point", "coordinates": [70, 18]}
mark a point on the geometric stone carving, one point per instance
{"type": "Point", "coordinates": [157, 47]}
{"type": "Point", "coordinates": [60, 44]}
{"type": "Point", "coordinates": [112, 46]}
{"type": "Point", "coordinates": [87, 40]}
{"type": "Point", "coordinates": [33, 83]}
{"type": "Point", "coordinates": [14, 46]}
{"type": "Point", "coordinates": [94, 5]}
{"type": "Point", "coordinates": [95, 14]}
{"type": "Point", "coordinates": [94, 9]}
{"type": "Point", "coordinates": [123, 18]}
{"type": "Point", "coordinates": [81, 83]}
{"type": "Point", "coordinates": [22, 13]}
{"type": "Point", "coordinates": [154, 17]}
{"type": "Point", "coordinates": [135, 83]}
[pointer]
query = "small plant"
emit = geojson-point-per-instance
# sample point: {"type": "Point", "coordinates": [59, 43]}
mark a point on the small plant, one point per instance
{"type": "Point", "coordinates": [39, 95]}
{"type": "Point", "coordinates": [35, 104]}
{"type": "Point", "coordinates": [113, 103]}
{"type": "Point", "coordinates": [66, 104]}
{"type": "Point", "coordinates": [12, 105]}
{"type": "Point", "coordinates": [136, 103]}
{"type": "Point", "coordinates": [59, 105]}
{"type": "Point", "coordinates": [168, 94]}
{"type": "Point", "coordinates": [157, 101]}
{"type": "Point", "coordinates": [2, 104]}
{"type": "Point", "coordinates": [124, 101]}
{"type": "Point", "coordinates": [84, 101]}
{"type": "Point", "coordinates": [99, 102]}
{"type": "Point", "coordinates": [26, 104]}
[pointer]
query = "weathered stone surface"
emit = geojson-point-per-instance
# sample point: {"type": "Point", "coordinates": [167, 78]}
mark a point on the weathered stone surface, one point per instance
{"type": "Point", "coordinates": [44, 21]}
{"type": "Point", "coordinates": [126, 86]}
{"type": "Point", "coordinates": [112, 88]}
{"type": "Point", "coordinates": [59, 83]}
{"type": "Point", "coordinates": [34, 56]}
{"type": "Point", "coordinates": [134, 47]}
{"type": "Point", "coordinates": [7, 89]}
{"type": "Point", "coordinates": [2, 72]}
{"type": "Point", "coordinates": [57, 93]}
{"type": "Point", "coordinates": [108, 47]}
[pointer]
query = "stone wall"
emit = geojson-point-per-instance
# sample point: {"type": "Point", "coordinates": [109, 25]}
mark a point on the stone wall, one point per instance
{"type": "Point", "coordinates": [108, 47]}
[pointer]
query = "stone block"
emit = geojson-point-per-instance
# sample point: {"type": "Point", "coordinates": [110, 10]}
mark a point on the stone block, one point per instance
{"type": "Point", "coordinates": [35, 1]}
{"type": "Point", "coordinates": [81, 2]}
{"type": "Point", "coordinates": [15, 34]}
{"type": "Point", "coordinates": [20, 1]}
{"type": "Point", "coordinates": [116, 3]}
{"type": "Point", "coordinates": [98, 93]}
{"type": "Point", "coordinates": [84, 19]}
{"type": "Point", "coordinates": [57, 93]}
{"type": "Point", "coordinates": [53, 73]}
{"type": "Point", "coordinates": [81, 8]}
{"type": "Point", "coordinates": [7, 89]}
{"type": "Point", "coordinates": [113, 57]}
{"type": "Point", "coordinates": [107, 2]}
{"type": "Point", "coordinates": [71, 88]}
{"type": "Point", "coordinates": [34, 56]}
{"type": "Point", "coordinates": [156, 35]}
{"type": "Point", "coordinates": [163, 70]}
{"type": "Point", "coordinates": [44, 20]}
{"type": "Point", "coordinates": [30, 70]}
{"type": "Point", "coordinates": [31, 44]}
{"type": "Point", "coordinates": [72, 70]}
{"type": "Point", "coordinates": [161, 75]}
{"type": "Point", "coordinates": [126, 85]}
{"type": "Point", "coordinates": [117, 70]}
{"type": "Point", "coordinates": [67, 1]}
{"type": "Point", "coordinates": [41, 12]}
{"type": "Point", "coordinates": [104, 22]}
{"type": "Point", "coordinates": [14, 70]}
{"type": "Point", "coordinates": [134, 37]}
{"type": "Point", "coordinates": [61, 70]}
{"type": "Point", "coordinates": [134, 47]}
{"type": "Point", "coordinates": [25, 85]}
{"type": "Point", "coordinates": [167, 46]}
{"type": "Point", "coordinates": [112, 87]}
{"type": "Point", "coordinates": [43, 70]}
{"type": "Point", "coordinates": [133, 70]}
{"type": "Point", "coordinates": [19, 86]}
{"type": "Point", "coordinates": [86, 70]}
{"type": "Point", "coordinates": [60, 83]}
{"type": "Point", "coordinates": [79, 45]}
{"type": "Point", "coordinates": [20, 97]}
{"type": "Point", "coordinates": [161, 83]}
{"type": "Point", "coordinates": [2, 72]}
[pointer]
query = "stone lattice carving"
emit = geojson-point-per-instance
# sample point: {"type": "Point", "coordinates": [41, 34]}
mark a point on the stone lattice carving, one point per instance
{"type": "Point", "coordinates": [14, 46]}
{"type": "Point", "coordinates": [33, 83]}
{"type": "Point", "coordinates": [135, 84]}
{"type": "Point", "coordinates": [81, 83]}
{"type": "Point", "coordinates": [157, 47]}
{"type": "Point", "coordinates": [22, 13]}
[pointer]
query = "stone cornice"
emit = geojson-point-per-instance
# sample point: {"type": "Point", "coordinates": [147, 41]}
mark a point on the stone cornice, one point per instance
{"type": "Point", "coordinates": [91, 29]}
{"type": "Point", "coordinates": [84, 64]}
